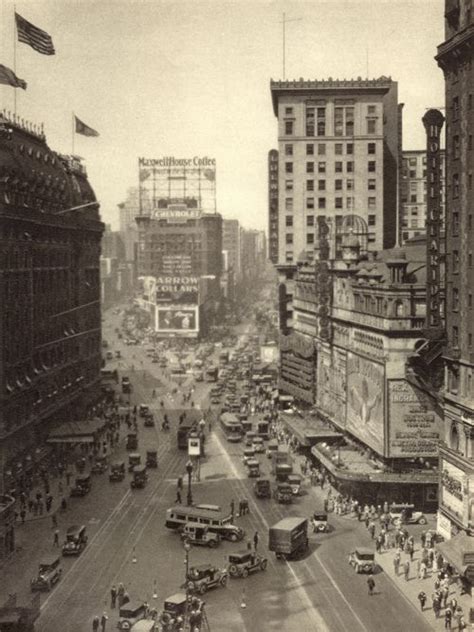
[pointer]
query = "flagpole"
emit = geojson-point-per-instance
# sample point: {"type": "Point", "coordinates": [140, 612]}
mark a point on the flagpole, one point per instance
{"type": "Point", "coordinates": [72, 129]}
{"type": "Point", "coordinates": [14, 56]}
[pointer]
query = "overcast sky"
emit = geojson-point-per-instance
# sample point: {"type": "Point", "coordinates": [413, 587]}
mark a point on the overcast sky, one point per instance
{"type": "Point", "coordinates": [192, 78]}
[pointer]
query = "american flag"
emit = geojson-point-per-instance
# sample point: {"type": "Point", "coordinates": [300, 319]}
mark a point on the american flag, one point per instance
{"type": "Point", "coordinates": [30, 34]}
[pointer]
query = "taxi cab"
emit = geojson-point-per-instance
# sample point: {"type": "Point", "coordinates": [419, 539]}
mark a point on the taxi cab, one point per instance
{"type": "Point", "coordinates": [76, 540]}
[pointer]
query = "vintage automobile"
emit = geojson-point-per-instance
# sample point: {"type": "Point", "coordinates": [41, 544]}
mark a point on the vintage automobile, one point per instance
{"type": "Point", "coordinates": [258, 445]}
{"type": "Point", "coordinates": [143, 410]}
{"type": "Point", "coordinates": [76, 540]}
{"type": "Point", "coordinates": [244, 562]}
{"type": "Point", "coordinates": [319, 522]}
{"type": "Point", "coordinates": [253, 468]}
{"type": "Point", "coordinates": [200, 535]}
{"type": "Point", "coordinates": [249, 437]}
{"type": "Point", "coordinates": [49, 573]}
{"type": "Point", "coordinates": [134, 459]}
{"type": "Point", "coordinates": [283, 493]}
{"type": "Point", "coordinates": [140, 477]}
{"type": "Point", "coordinates": [130, 613]}
{"type": "Point", "coordinates": [144, 625]}
{"type": "Point", "coordinates": [149, 421]}
{"type": "Point", "coordinates": [82, 485]}
{"type": "Point", "coordinates": [363, 560]}
{"type": "Point", "coordinates": [262, 488]}
{"type": "Point", "coordinates": [405, 514]}
{"type": "Point", "coordinates": [282, 471]}
{"type": "Point", "coordinates": [100, 465]}
{"type": "Point", "coordinates": [151, 458]}
{"type": "Point", "coordinates": [271, 447]}
{"type": "Point", "coordinates": [201, 578]}
{"type": "Point", "coordinates": [117, 471]}
{"type": "Point", "coordinates": [295, 481]}
{"type": "Point", "coordinates": [249, 453]}
{"type": "Point", "coordinates": [174, 611]}
{"type": "Point", "coordinates": [132, 441]}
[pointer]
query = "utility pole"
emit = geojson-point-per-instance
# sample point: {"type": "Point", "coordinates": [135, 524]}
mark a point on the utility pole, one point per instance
{"type": "Point", "coordinates": [284, 22]}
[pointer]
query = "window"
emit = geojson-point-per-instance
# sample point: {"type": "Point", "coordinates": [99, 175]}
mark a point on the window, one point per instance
{"type": "Point", "coordinates": [371, 109]}
{"type": "Point", "coordinates": [321, 121]}
{"type": "Point", "coordinates": [289, 238]}
{"type": "Point", "coordinates": [338, 149]}
{"type": "Point", "coordinates": [455, 299]}
{"type": "Point", "coordinates": [371, 126]}
{"type": "Point", "coordinates": [413, 199]}
{"type": "Point", "coordinates": [371, 220]}
{"type": "Point", "coordinates": [338, 185]}
{"type": "Point", "coordinates": [414, 223]}
{"type": "Point", "coordinates": [321, 149]}
{"type": "Point", "coordinates": [309, 185]}
{"type": "Point", "coordinates": [310, 167]}
{"type": "Point", "coordinates": [371, 148]}
{"type": "Point", "coordinates": [309, 121]}
{"type": "Point", "coordinates": [350, 148]}
{"type": "Point", "coordinates": [371, 202]}
{"type": "Point", "coordinates": [338, 167]}
{"type": "Point", "coordinates": [288, 111]}
{"type": "Point", "coordinates": [338, 121]}
{"type": "Point", "coordinates": [310, 149]}
{"type": "Point", "coordinates": [349, 203]}
{"type": "Point", "coordinates": [288, 150]}
{"type": "Point", "coordinates": [289, 204]}
{"type": "Point", "coordinates": [455, 224]}
{"type": "Point", "coordinates": [321, 185]}
{"type": "Point", "coordinates": [412, 173]}
{"type": "Point", "coordinates": [455, 185]}
{"type": "Point", "coordinates": [321, 202]}
{"type": "Point", "coordinates": [456, 146]}
{"type": "Point", "coordinates": [321, 167]}
{"type": "Point", "coordinates": [288, 185]}
{"type": "Point", "coordinates": [455, 108]}
{"type": "Point", "coordinates": [469, 300]}
{"type": "Point", "coordinates": [288, 167]}
{"type": "Point", "coordinates": [289, 257]}
{"type": "Point", "coordinates": [310, 202]}
{"type": "Point", "coordinates": [338, 202]}
{"type": "Point", "coordinates": [350, 185]}
{"type": "Point", "coordinates": [349, 166]}
{"type": "Point", "coordinates": [371, 184]}
{"type": "Point", "coordinates": [455, 336]}
{"type": "Point", "coordinates": [350, 121]}
{"type": "Point", "coordinates": [310, 238]}
{"type": "Point", "coordinates": [455, 261]}
{"type": "Point", "coordinates": [289, 128]}
{"type": "Point", "coordinates": [371, 166]}
{"type": "Point", "coordinates": [310, 220]}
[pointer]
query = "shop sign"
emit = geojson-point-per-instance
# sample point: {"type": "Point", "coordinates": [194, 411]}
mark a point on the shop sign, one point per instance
{"type": "Point", "coordinates": [414, 424]}
{"type": "Point", "coordinates": [443, 526]}
{"type": "Point", "coordinates": [365, 401]}
{"type": "Point", "coordinates": [194, 446]}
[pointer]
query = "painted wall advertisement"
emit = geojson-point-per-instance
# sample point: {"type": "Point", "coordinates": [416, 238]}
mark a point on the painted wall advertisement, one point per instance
{"type": "Point", "coordinates": [453, 490]}
{"type": "Point", "coordinates": [414, 424]}
{"type": "Point", "coordinates": [331, 384]}
{"type": "Point", "coordinates": [365, 401]}
{"type": "Point", "coordinates": [177, 320]}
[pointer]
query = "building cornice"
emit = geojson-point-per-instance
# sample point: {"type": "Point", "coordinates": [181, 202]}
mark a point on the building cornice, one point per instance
{"type": "Point", "coordinates": [456, 47]}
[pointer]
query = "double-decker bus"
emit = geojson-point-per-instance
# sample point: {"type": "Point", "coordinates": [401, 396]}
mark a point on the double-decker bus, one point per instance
{"type": "Point", "coordinates": [231, 427]}
{"type": "Point", "coordinates": [212, 374]}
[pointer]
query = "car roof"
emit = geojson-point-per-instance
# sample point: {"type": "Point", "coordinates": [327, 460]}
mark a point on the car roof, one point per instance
{"type": "Point", "coordinates": [364, 550]}
{"type": "Point", "coordinates": [139, 468]}
{"type": "Point", "coordinates": [242, 553]}
{"type": "Point", "coordinates": [74, 528]}
{"type": "Point", "coordinates": [47, 560]}
{"type": "Point", "coordinates": [176, 598]}
{"type": "Point", "coordinates": [202, 568]}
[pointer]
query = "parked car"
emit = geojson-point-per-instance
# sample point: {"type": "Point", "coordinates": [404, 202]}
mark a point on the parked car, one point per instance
{"type": "Point", "coordinates": [76, 540]}
{"type": "Point", "coordinates": [363, 560]}
{"type": "Point", "coordinates": [244, 562]}
{"type": "Point", "coordinates": [201, 578]}
{"type": "Point", "coordinates": [262, 488]}
{"type": "Point", "coordinates": [117, 471]}
{"type": "Point", "coordinates": [197, 534]}
{"type": "Point", "coordinates": [49, 573]}
{"type": "Point", "coordinates": [174, 608]}
{"type": "Point", "coordinates": [130, 613]}
{"type": "Point", "coordinates": [404, 513]}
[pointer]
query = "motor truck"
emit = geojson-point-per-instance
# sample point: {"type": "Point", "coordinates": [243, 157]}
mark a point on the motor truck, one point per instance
{"type": "Point", "coordinates": [288, 537]}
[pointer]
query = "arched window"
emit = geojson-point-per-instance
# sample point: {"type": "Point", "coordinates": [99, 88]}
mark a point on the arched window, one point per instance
{"type": "Point", "coordinates": [454, 438]}
{"type": "Point", "coordinates": [399, 309]}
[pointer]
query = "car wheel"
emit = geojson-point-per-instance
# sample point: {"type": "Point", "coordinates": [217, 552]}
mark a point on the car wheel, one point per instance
{"type": "Point", "coordinates": [263, 565]}
{"type": "Point", "coordinates": [233, 537]}
{"type": "Point", "coordinates": [233, 570]}
{"type": "Point", "coordinates": [202, 588]}
{"type": "Point", "coordinates": [422, 520]}
{"type": "Point", "coordinates": [357, 568]}
{"type": "Point", "coordinates": [245, 572]}
{"type": "Point", "coordinates": [224, 580]}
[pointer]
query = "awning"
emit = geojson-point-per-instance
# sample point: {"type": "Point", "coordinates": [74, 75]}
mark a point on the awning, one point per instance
{"type": "Point", "coordinates": [456, 550]}
{"type": "Point", "coordinates": [76, 431]}
{"type": "Point", "coordinates": [83, 439]}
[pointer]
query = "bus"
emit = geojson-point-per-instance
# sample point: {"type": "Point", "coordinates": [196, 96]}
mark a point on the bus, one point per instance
{"type": "Point", "coordinates": [212, 374]}
{"type": "Point", "coordinates": [231, 427]}
{"type": "Point", "coordinates": [216, 521]}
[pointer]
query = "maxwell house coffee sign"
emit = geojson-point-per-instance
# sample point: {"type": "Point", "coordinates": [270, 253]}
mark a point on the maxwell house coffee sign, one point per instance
{"type": "Point", "coordinates": [177, 289]}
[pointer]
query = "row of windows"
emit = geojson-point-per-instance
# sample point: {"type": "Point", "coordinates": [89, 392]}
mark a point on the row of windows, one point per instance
{"type": "Point", "coordinates": [338, 167]}
{"type": "Point", "coordinates": [339, 149]}
{"type": "Point", "coordinates": [338, 185]}
{"type": "Point", "coordinates": [372, 220]}
{"type": "Point", "coordinates": [343, 125]}
{"type": "Point", "coordinates": [310, 203]}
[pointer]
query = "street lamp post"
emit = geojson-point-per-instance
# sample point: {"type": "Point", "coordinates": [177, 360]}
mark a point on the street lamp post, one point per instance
{"type": "Point", "coordinates": [189, 470]}
{"type": "Point", "coordinates": [187, 547]}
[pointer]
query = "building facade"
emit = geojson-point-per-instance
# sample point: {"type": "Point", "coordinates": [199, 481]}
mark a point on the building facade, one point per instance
{"type": "Point", "coordinates": [455, 57]}
{"type": "Point", "coordinates": [338, 158]}
{"type": "Point", "coordinates": [232, 259]}
{"type": "Point", "coordinates": [414, 193]}
{"type": "Point", "coordinates": [253, 252]}
{"type": "Point", "coordinates": [50, 326]}
{"type": "Point", "coordinates": [180, 261]}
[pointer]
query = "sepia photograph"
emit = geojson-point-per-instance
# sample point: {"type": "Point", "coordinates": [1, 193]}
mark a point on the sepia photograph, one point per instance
{"type": "Point", "coordinates": [236, 315]}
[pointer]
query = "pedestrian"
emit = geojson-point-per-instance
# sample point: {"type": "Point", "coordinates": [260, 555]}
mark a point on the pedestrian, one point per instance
{"type": "Point", "coordinates": [422, 600]}
{"type": "Point", "coordinates": [113, 596]}
{"type": "Point", "coordinates": [423, 570]}
{"type": "Point", "coordinates": [22, 515]}
{"type": "Point", "coordinates": [255, 540]}
{"type": "Point", "coordinates": [445, 595]}
{"type": "Point", "coordinates": [448, 615]}
{"type": "Point", "coordinates": [372, 529]}
{"type": "Point", "coordinates": [120, 593]}
{"type": "Point", "coordinates": [103, 621]}
{"type": "Point", "coordinates": [453, 604]}
{"type": "Point", "coordinates": [396, 563]}
{"type": "Point", "coordinates": [423, 539]}
{"type": "Point", "coordinates": [178, 497]}
{"type": "Point", "coordinates": [56, 537]}
{"type": "Point", "coordinates": [232, 510]}
{"type": "Point", "coordinates": [95, 624]}
{"type": "Point", "coordinates": [406, 570]}
{"type": "Point", "coordinates": [370, 585]}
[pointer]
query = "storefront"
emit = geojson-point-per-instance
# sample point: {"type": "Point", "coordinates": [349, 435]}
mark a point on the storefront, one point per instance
{"type": "Point", "coordinates": [459, 553]}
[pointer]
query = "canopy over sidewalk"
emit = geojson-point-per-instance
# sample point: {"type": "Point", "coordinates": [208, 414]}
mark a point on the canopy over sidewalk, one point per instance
{"type": "Point", "coordinates": [459, 552]}
{"type": "Point", "coordinates": [76, 431]}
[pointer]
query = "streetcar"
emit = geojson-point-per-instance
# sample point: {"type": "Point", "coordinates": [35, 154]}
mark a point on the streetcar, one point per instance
{"type": "Point", "coordinates": [231, 427]}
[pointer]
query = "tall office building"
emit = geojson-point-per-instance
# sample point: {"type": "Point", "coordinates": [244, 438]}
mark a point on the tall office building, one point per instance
{"type": "Point", "coordinates": [231, 244]}
{"type": "Point", "coordinates": [338, 148]}
{"type": "Point", "coordinates": [456, 500]}
{"type": "Point", "coordinates": [414, 191]}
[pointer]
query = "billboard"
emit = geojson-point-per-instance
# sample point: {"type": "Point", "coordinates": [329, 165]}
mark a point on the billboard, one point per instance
{"type": "Point", "coordinates": [177, 289]}
{"type": "Point", "coordinates": [365, 401]}
{"type": "Point", "coordinates": [414, 424]}
{"type": "Point", "coordinates": [453, 490]}
{"type": "Point", "coordinates": [176, 319]}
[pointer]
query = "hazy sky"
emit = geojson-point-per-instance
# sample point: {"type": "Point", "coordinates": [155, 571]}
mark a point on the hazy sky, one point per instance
{"type": "Point", "coordinates": [192, 78]}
